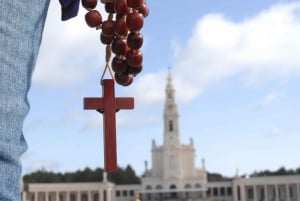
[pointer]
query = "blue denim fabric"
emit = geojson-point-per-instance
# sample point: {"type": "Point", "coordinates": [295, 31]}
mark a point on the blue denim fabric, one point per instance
{"type": "Point", "coordinates": [21, 27]}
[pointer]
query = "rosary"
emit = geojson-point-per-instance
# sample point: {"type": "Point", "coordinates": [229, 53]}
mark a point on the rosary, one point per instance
{"type": "Point", "coordinates": [121, 35]}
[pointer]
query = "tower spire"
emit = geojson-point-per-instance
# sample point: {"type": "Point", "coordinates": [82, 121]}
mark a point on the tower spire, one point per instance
{"type": "Point", "coordinates": [171, 128]}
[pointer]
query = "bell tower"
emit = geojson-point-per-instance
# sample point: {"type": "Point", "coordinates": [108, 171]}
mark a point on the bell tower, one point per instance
{"type": "Point", "coordinates": [172, 156]}
{"type": "Point", "coordinates": [173, 163]}
{"type": "Point", "coordinates": [171, 128]}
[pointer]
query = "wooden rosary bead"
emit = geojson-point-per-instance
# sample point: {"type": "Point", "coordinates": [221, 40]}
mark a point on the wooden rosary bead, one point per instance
{"type": "Point", "coordinates": [110, 7]}
{"type": "Point", "coordinates": [121, 7]}
{"type": "Point", "coordinates": [121, 26]}
{"type": "Point", "coordinates": [89, 4]}
{"type": "Point", "coordinates": [106, 39]}
{"type": "Point", "coordinates": [134, 58]}
{"type": "Point", "coordinates": [119, 65]}
{"type": "Point", "coordinates": [135, 40]}
{"type": "Point", "coordinates": [135, 21]}
{"type": "Point", "coordinates": [135, 3]}
{"type": "Point", "coordinates": [134, 69]}
{"type": "Point", "coordinates": [130, 81]}
{"type": "Point", "coordinates": [144, 10]}
{"type": "Point", "coordinates": [124, 16]}
{"type": "Point", "coordinates": [108, 27]}
{"type": "Point", "coordinates": [119, 46]}
{"type": "Point", "coordinates": [124, 79]}
{"type": "Point", "coordinates": [93, 18]}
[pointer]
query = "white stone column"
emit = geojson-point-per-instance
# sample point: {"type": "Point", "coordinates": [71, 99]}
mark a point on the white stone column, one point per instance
{"type": "Point", "coordinates": [235, 192]}
{"type": "Point", "coordinates": [204, 194]}
{"type": "Point", "coordinates": [100, 196]}
{"type": "Point", "coordinates": [57, 196]}
{"type": "Point", "coordinates": [46, 196]}
{"type": "Point", "coordinates": [24, 196]}
{"type": "Point", "coordinates": [77, 195]}
{"type": "Point", "coordinates": [68, 196]}
{"type": "Point", "coordinates": [276, 193]}
{"type": "Point", "coordinates": [108, 195]}
{"type": "Point", "coordinates": [266, 192]}
{"type": "Point", "coordinates": [254, 193]}
{"type": "Point", "coordinates": [287, 192]}
{"type": "Point", "coordinates": [298, 192]}
{"type": "Point", "coordinates": [243, 194]}
{"type": "Point", "coordinates": [89, 196]}
{"type": "Point", "coordinates": [36, 196]}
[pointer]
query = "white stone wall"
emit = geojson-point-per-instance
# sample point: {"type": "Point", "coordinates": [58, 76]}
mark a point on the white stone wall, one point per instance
{"type": "Point", "coordinates": [188, 162]}
{"type": "Point", "coordinates": [157, 162]}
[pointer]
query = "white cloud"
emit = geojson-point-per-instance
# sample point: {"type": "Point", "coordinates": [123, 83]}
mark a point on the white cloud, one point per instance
{"type": "Point", "coordinates": [274, 132]}
{"type": "Point", "coordinates": [268, 100]}
{"type": "Point", "coordinates": [70, 51]}
{"type": "Point", "coordinates": [257, 50]}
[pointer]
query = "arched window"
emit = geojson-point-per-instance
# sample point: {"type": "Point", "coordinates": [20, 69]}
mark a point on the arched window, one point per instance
{"type": "Point", "coordinates": [170, 125]}
{"type": "Point", "coordinates": [149, 197]}
{"type": "Point", "coordinates": [174, 193]}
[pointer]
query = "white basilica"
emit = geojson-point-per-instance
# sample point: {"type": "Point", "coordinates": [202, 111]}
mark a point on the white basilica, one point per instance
{"type": "Point", "coordinates": [173, 177]}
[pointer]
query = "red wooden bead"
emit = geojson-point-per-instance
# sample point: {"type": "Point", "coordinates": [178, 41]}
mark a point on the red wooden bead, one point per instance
{"type": "Point", "coordinates": [93, 18]}
{"type": "Point", "coordinates": [130, 81]}
{"type": "Point", "coordinates": [110, 7]}
{"type": "Point", "coordinates": [135, 21]}
{"type": "Point", "coordinates": [89, 4]}
{"type": "Point", "coordinates": [134, 69]}
{"type": "Point", "coordinates": [144, 10]}
{"type": "Point", "coordinates": [121, 26]}
{"type": "Point", "coordinates": [119, 46]}
{"type": "Point", "coordinates": [108, 27]}
{"type": "Point", "coordinates": [121, 7]}
{"type": "Point", "coordinates": [135, 3]}
{"type": "Point", "coordinates": [134, 58]}
{"type": "Point", "coordinates": [119, 65]}
{"type": "Point", "coordinates": [106, 39]}
{"type": "Point", "coordinates": [124, 79]}
{"type": "Point", "coordinates": [135, 40]}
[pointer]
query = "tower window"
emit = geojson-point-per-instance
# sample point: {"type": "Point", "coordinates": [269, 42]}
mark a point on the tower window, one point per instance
{"type": "Point", "coordinates": [170, 125]}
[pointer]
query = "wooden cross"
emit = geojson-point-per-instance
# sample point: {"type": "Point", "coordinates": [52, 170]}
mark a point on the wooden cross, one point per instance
{"type": "Point", "coordinates": [108, 105]}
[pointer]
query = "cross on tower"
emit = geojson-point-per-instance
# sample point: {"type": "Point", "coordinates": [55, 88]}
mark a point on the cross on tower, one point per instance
{"type": "Point", "coordinates": [108, 105]}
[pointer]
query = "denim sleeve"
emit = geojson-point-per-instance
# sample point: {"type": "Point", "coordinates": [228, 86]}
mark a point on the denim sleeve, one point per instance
{"type": "Point", "coordinates": [69, 8]}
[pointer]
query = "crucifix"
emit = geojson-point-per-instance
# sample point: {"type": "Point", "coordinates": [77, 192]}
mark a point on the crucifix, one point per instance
{"type": "Point", "coordinates": [125, 42]}
{"type": "Point", "coordinates": [108, 105]}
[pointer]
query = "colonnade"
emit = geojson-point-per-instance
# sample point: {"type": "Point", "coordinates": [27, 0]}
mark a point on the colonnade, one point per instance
{"type": "Point", "coordinates": [100, 195]}
{"type": "Point", "coordinates": [267, 192]}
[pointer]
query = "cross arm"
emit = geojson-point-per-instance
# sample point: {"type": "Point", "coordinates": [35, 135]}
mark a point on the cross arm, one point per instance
{"type": "Point", "coordinates": [93, 103]}
{"type": "Point", "coordinates": [124, 103]}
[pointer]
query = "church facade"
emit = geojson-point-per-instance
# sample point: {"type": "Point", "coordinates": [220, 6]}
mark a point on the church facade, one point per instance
{"type": "Point", "coordinates": [173, 176]}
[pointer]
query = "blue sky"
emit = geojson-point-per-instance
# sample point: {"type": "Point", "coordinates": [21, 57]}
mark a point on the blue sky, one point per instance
{"type": "Point", "coordinates": [236, 72]}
